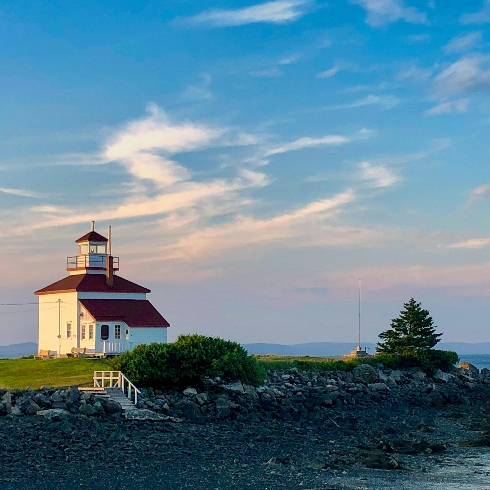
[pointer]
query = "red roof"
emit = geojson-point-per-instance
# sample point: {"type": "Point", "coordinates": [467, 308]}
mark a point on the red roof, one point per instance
{"type": "Point", "coordinates": [91, 236]}
{"type": "Point", "coordinates": [133, 312]}
{"type": "Point", "coordinates": [92, 283]}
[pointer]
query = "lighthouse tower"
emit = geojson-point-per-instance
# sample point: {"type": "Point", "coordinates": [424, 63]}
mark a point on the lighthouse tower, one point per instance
{"type": "Point", "coordinates": [94, 310]}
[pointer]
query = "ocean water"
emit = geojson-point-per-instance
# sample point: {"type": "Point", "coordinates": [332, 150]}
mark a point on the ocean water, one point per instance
{"type": "Point", "coordinates": [478, 360]}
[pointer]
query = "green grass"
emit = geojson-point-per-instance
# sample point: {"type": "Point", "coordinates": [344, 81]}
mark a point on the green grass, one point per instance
{"type": "Point", "coordinates": [35, 373]}
{"type": "Point", "coordinates": [304, 363]}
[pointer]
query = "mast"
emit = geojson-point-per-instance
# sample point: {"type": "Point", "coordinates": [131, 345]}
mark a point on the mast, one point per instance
{"type": "Point", "coordinates": [359, 344]}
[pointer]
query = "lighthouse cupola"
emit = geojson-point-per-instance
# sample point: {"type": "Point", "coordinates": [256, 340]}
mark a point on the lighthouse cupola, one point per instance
{"type": "Point", "coordinates": [94, 255]}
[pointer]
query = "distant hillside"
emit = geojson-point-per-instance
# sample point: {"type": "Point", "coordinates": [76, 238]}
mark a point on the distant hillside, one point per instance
{"type": "Point", "coordinates": [17, 350]}
{"type": "Point", "coordinates": [339, 348]}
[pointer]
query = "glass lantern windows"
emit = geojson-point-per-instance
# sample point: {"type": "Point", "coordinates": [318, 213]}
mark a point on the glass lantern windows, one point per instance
{"type": "Point", "coordinates": [92, 248]}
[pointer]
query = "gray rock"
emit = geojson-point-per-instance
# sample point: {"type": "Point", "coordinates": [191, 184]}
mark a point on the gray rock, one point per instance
{"type": "Point", "coordinates": [32, 408]}
{"type": "Point", "coordinates": [378, 387]}
{"type": "Point", "coordinates": [201, 398]}
{"type": "Point", "coordinates": [15, 410]}
{"type": "Point", "coordinates": [485, 372]}
{"type": "Point", "coordinates": [365, 373]}
{"type": "Point", "coordinates": [236, 387]}
{"type": "Point", "coordinates": [191, 411]}
{"type": "Point", "coordinates": [442, 377]}
{"type": "Point", "coordinates": [469, 367]}
{"type": "Point", "coordinates": [111, 406]}
{"type": "Point", "coordinates": [145, 414]}
{"type": "Point", "coordinates": [87, 409]}
{"type": "Point", "coordinates": [54, 414]}
{"type": "Point", "coordinates": [7, 400]}
{"type": "Point", "coordinates": [190, 392]}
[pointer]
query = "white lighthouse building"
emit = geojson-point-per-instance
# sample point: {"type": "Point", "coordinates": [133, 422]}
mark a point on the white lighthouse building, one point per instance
{"type": "Point", "coordinates": [94, 310]}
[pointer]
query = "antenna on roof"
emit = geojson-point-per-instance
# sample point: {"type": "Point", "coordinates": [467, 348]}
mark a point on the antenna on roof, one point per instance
{"type": "Point", "coordinates": [92, 226]}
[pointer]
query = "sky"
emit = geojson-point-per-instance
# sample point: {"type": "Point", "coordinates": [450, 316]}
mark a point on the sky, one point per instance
{"type": "Point", "coordinates": [255, 160]}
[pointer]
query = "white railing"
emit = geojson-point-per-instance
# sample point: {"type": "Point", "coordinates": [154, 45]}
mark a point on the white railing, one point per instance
{"type": "Point", "coordinates": [114, 347]}
{"type": "Point", "coordinates": [116, 379]}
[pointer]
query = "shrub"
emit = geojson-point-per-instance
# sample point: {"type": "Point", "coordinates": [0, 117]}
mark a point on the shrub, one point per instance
{"type": "Point", "coordinates": [187, 361]}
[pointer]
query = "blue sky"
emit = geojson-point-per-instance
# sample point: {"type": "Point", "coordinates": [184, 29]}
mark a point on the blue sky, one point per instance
{"type": "Point", "coordinates": [254, 159]}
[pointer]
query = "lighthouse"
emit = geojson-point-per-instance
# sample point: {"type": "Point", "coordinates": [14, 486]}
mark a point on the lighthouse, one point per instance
{"type": "Point", "coordinates": [94, 310]}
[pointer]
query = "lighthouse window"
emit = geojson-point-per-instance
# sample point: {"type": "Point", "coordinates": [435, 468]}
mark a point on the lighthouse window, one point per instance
{"type": "Point", "coordinates": [83, 249]}
{"type": "Point", "coordinates": [68, 330]}
{"type": "Point", "coordinates": [101, 249]}
{"type": "Point", "coordinates": [117, 332]}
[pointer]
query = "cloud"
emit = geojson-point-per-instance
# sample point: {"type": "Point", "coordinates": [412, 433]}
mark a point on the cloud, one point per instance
{"type": "Point", "coordinates": [482, 191]}
{"type": "Point", "coordinates": [453, 106]}
{"type": "Point", "coordinates": [308, 142]}
{"type": "Point", "coordinates": [472, 243]}
{"type": "Point", "coordinates": [465, 75]}
{"type": "Point", "coordinates": [463, 43]}
{"type": "Point", "coordinates": [386, 101]}
{"type": "Point", "coordinates": [22, 192]}
{"type": "Point", "coordinates": [329, 73]}
{"type": "Point", "coordinates": [276, 12]}
{"type": "Point", "coordinates": [481, 17]}
{"type": "Point", "coordinates": [377, 175]}
{"type": "Point", "coordinates": [302, 225]}
{"type": "Point", "coordinates": [415, 74]}
{"type": "Point", "coordinates": [139, 144]}
{"type": "Point", "coordinates": [382, 12]}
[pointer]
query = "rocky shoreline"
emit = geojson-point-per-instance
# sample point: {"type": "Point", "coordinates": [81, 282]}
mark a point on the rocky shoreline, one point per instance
{"type": "Point", "coordinates": [308, 429]}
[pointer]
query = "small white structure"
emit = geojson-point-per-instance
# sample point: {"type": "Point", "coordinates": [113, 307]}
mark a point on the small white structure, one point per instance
{"type": "Point", "coordinates": [95, 309]}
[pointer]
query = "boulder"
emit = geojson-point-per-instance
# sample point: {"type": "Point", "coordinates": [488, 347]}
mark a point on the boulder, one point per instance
{"type": "Point", "coordinates": [32, 408]}
{"type": "Point", "coordinates": [191, 411]}
{"type": "Point", "coordinates": [7, 400]}
{"type": "Point", "coordinates": [87, 409]}
{"type": "Point", "coordinates": [469, 367]}
{"type": "Point", "coordinates": [236, 387]}
{"type": "Point", "coordinates": [53, 414]}
{"type": "Point", "coordinates": [202, 398]}
{"type": "Point", "coordinates": [441, 377]}
{"type": "Point", "coordinates": [111, 406]}
{"type": "Point", "coordinates": [485, 372]}
{"type": "Point", "coordinates": [190, 392]}
{"type": "Point", "coordinates": [378, 387]}
{"type": "Point", "coordinates": [365, 373]}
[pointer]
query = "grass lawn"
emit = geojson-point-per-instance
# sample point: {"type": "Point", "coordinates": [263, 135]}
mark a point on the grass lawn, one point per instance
{"type": "Point", "coordinates": [34, 373]}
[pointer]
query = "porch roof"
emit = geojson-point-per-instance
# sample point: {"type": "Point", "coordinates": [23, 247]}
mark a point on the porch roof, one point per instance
{"type": "Point", "coordinates": [133, 312]}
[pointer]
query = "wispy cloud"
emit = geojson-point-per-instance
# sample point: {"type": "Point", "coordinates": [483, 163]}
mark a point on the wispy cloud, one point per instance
{"type": "Point", "coordinates": [329, 73]}
{"type": "Point", "coordinates": [450, 107]}
{"type": "Point", "coordinates": [470, 73]}
{"type": "Point", "coordinates": [463, 43]}
{"type": "Point", "coordinates": [308, 142]}
{"type": "Point", "coordinates": [416, 74]}
{"type": "Point", "coordinates": [385, 101]}
{"type": "Point", "coordinates": [382, 12]}
{"type": "Point", "coordinates": [480, 192]}
{"type": "Point", "coordinates": [481, 17]}
{"type": "Point", "coordinates": [377, 175]}
{"type": "Point", "coordinates": [276, 12]}
{"type": "Point", "coordinates": [246, 231]}
{"type": "Point", "coordinates": [22, 192]}
{"type": "Point", "coordinates": [472, 243]}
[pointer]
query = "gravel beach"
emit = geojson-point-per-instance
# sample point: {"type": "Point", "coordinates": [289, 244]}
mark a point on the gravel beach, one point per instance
{"type": "Point", "coordinates": [371, 428]}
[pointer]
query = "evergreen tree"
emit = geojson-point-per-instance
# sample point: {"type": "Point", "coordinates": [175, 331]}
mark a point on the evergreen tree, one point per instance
{"type": "Point", "coordinates": [412, 333]}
